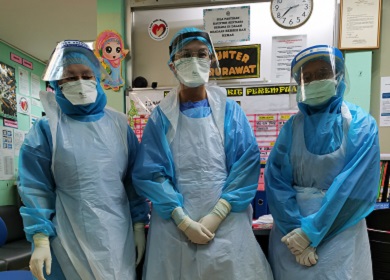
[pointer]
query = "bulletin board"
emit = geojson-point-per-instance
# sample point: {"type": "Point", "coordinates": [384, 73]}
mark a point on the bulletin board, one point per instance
{"type": "Point", "coordinates": [20, 83]}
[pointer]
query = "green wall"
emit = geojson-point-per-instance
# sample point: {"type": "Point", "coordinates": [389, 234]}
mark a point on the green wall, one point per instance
{"type": "Point", "coordinates": [8, 194]}
{"type": "Point", "coordinates": [359, 73]}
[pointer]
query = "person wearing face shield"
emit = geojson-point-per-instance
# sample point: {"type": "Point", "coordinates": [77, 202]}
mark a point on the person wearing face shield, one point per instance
{"type": "Point", "coordinates": [199, 165]}
{"type": "Point", "coordinates": [80, 211]}
{"type": "Point", "coordinates": [322, 176]}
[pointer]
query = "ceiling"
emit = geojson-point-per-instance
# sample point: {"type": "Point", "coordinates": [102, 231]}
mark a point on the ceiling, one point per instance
{"type": "Point", "coordinates": [35, 26]}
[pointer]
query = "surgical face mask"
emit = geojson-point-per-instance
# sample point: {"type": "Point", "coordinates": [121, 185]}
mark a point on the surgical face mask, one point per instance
{"type": "Point", "coordinates": [80, 92]}
{"type": "Point", "coordinates": [316, 92]}
{"type": "Point", "coordinates": [192, 71]}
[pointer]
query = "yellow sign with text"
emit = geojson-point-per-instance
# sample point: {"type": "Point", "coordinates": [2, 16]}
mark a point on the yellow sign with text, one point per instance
{"type": "Point", "coordinates": [270, 90]}
{"type": "Point", "coordinates": [237, 62]}
{"type": "Point", "coordinates": [235, 91]}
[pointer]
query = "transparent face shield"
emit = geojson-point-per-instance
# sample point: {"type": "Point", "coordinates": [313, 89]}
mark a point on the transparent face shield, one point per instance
{"type": "Point", "coordinates": [193, 58]}
{"type": "Point", "coordinates": [72, 60]}
{"type": "Point", "coordinates": [319, 74]}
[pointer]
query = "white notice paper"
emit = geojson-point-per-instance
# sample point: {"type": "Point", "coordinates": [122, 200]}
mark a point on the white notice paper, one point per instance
{"type": "Point", "coordinates": [284, 49]}
{"type": "Point", "coordinates": [227, 24]}
{"type": "Point", "coordinates": [35, 86]}
{"type": "Point", "coordinates": [18, 140]}
{"type": "Point", "coordinates": [385, 102]}
{"type": "Point", "coordinates": [24, 86]}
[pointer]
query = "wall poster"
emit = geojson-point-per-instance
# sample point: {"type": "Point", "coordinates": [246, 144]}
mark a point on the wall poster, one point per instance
{"type": "Point", "coordinates": [237, 62]}
{"type": "Point", "coordinates": [7, 92]}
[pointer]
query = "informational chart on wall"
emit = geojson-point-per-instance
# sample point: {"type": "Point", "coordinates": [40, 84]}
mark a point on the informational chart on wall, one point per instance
{"type": "Point", "coordinates": [7, 170]}
{"type": "Point", "coordinates": [385, 102]}
{"type": "Point", "coordinates": [284, 49]}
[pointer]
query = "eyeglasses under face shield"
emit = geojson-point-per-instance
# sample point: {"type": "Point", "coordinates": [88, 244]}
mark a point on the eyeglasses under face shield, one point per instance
{"type": "Point", "coordinates": [202, 53]}
{"type": "Point", "coordinates": [319, 74]}
{"type": "Point", "coordinates": [178, 47]}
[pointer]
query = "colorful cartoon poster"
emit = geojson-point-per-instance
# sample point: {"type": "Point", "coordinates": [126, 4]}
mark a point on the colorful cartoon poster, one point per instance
{"type": "Point", "coordinates": [110, 51]}
{"type": "Point", "coordinates": [7, 91]}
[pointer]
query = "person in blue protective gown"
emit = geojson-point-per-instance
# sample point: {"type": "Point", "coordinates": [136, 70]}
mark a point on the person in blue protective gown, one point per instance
{"type": "Point", "coordinates": [199, 165]}
{"type": "Point", "coordinates": [81, 211]}
{"type": "Point", "coordinates": [322, 176]}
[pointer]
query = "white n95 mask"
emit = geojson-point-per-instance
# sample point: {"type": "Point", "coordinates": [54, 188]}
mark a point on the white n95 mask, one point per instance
{"type": "Point", "coordinates": [317, 92]}
{"type": "Point", "coordinates": [80, 92]}
{"type": "Point", "coordinates": [192, 71]}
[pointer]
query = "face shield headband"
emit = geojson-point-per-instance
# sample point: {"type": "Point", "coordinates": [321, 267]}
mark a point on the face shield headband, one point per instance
{"type": "Point", "coordinates": [331, 56]}
{"type": "Point", "coordinates": [323, 52]}
{"type": "Point", "coordinates": [196, 35]}
{"type": "Point", "coordinates": [72, 52]}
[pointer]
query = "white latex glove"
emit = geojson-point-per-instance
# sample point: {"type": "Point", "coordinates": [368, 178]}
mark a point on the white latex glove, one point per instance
{"type": "Point", "coordinates": [296, 241]}
{"type": "Point", "coordinates": [195, 232]}
{"type": "Point", "coordinates": [308, 257]}
{"type": "Point", "coordinates": [41, 255]}
{"type": "Point", "coordinates": [139, 240]}
{"type": "Point", "coordinates": [212, 220]}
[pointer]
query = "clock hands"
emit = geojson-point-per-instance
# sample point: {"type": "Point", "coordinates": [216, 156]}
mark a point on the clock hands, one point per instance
{"type": "Point", "coordinates": [292, 7]}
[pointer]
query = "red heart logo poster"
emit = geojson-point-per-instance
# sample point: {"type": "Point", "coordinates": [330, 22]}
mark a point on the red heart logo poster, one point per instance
{"type": "Point", "coordinates": [158, 29]}
{"type": "Point", "coordinates": [23, 105]}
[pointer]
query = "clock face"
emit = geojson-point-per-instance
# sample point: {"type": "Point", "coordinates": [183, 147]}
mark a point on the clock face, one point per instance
{"type": "Point", "coordinates": [291, 13]}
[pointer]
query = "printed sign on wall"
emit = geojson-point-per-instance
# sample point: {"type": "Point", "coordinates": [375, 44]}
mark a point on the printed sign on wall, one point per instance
{"type": "Point", "coordinates": [237, 62]}
{"type": "Point", "coordinates": [228, 24]}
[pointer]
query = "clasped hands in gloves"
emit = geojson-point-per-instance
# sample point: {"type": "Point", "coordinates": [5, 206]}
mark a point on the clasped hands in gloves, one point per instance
{"type": "Point", "coordinates": [298, 243]}
{"type": "Point", "coordinates": [203, 231]}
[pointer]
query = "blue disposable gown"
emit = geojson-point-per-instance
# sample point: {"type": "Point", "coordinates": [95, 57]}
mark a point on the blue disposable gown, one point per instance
{"type": "Point", "coordinates": [191, 161]}
{"type": "Point", "coordinates": [76, 187]}
{"type": "Point", "coordinates": [322, 176]}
